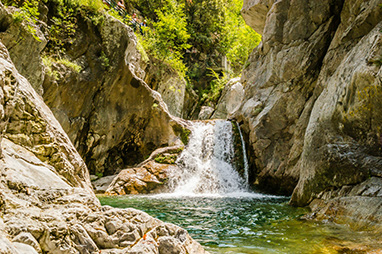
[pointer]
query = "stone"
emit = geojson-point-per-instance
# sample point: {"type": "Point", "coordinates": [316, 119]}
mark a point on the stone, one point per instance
{"type": "Point", "coordinates": [206, 112]}
{"type": "Point", "coordinates": [27, 238]}
{"type": "Point", "coordinates": [255, 12]}
{"type": "Point", "coordinates": [169, 84]}
{"type": "Point", "coordinates": [101, 185]}
{"type": "Point", "coordinates": [46, 201]}
{"type": "Point", "coordinates": [230, 100]}
{"type": "Point", "coordinates": [311, 106]}
{"type": "Point", "coordinates": [24, 248]}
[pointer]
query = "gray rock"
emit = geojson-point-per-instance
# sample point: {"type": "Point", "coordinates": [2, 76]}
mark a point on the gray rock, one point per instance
{"type": "Point", "coordinates": [101, 185]}
{"type": "Point", "coordinates": [27, 238]}
{"type": "Point", "coordinates": [24, 248]}
{"type": "Point", "coordinates": [312, 105]}
{"type": "Point", "coordinates": [230, 100]}
{"type": "Point", "coordinates": [205, 113]}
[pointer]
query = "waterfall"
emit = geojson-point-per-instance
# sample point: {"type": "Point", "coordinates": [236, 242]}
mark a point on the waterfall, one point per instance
{"type": "Point", "coordinates": [245, 160]}
{"type": "Point", "coordinates": [206, 163]}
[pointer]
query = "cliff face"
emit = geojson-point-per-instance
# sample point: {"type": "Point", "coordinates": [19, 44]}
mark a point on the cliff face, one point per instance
{"type": "Point", "coordinates": [110, 114]}
{"type": "Point", "coordinates": [46, 201]}
{"type": "Point", "coordinates": [312, 100]}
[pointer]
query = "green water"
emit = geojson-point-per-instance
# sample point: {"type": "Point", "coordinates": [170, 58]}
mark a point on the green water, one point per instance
{"type": "Point", "coordinates": [253, 224]}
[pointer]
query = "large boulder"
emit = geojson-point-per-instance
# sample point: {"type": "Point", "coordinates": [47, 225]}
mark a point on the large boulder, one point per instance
{"type": "Point", "coordinates": [151, 176]}
{"type": "Point", "coordinates": [46, 201]}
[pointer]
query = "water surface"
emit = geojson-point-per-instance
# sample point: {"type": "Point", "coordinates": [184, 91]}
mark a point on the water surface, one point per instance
{"type": "Point", "coordinates": [252, 223]}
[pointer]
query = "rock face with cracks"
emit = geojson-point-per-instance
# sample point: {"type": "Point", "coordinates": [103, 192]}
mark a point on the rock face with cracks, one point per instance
{"type": "Point", "coordinates": [312, 104]}
{"type": "Point", "coordinates": [110, 114]}
{"type": "Point", "coordinates": [46, 201]}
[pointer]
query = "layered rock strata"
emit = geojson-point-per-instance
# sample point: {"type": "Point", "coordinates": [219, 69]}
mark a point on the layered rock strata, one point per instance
{"type": "Point", "coordinates": [46, 201]}
{"type": "Point", "coordinates": [312, 104]}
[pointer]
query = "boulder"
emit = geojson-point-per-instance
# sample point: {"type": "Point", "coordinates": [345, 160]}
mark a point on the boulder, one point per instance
{"type": "Point", "coordinates": [206, 112]}
{"type": "Point", "coordinates": [255, 13]}
{"type": "Point", "coordinates": [151, 176]}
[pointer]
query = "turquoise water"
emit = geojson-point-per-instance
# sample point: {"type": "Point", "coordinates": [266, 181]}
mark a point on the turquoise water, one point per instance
{"type": "Point", "coordinates": [252, 224]}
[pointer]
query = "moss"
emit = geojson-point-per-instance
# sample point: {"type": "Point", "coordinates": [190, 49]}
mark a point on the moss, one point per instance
{"type": "Point", "coordinates": [166, 159]}
{"type": "Point", "coordinates": [183, 133]}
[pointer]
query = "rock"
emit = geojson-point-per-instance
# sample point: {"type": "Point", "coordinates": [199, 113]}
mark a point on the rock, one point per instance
{"type": "Point", "coordinates": [279, 89]}
{"type": "Point", "coordinates": [18, 38]}
{"type": "Point", "coordinates": [113, 118]}
{"type": "Point", "coordinates": [205, 112]}
{"type": "Point", "coordinates": [169, 84]}
{"type": "Point", "coordinates": [24, 248]}
{"type": "Point", "coordinates": [46, 202]}
{"type": "Point", "coordinates": [101, 185]}
{"type": "Point", "coordinates": [255, 13]}
{"type": "Point", "coordinates": [27, 238]}
{"type": "Point", "coordinates": [151, 176]}
{"type": "Point", "coordinates": [230, 100]}
{"type": "Point", "coordinates": [312, 102]}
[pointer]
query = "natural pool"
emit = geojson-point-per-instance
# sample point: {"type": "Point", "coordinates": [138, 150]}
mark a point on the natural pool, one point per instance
{"type": "Point", "coordinates": [251, 223]}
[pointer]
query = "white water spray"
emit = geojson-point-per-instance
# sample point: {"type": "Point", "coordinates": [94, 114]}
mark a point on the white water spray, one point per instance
{"type": "Point", "coordinates": [206, 163]}
{"type": "Point", "coordinates": [245, 159]}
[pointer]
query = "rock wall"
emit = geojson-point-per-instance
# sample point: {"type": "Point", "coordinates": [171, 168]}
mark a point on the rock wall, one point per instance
{"type": "Point", "coordinates": [46, 202]}
{"type": "Point", "coordinates": [110, 114]}
{"type": "Point", "coordinates": [312, 100]}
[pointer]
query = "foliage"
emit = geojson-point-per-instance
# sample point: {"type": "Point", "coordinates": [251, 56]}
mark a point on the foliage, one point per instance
{"type": "Point", "coordinates": [212, 95]}
{"type": "Point", "coordinates": [49, 61]}
{"type": "Point", "coordinates": [105, 62]}
{"type": "Point", "coordinates": [29, 13]}
{"type": "Point", "coordinates": [169, 36]}
{"type": "Point", "coordinates": [238, 39]}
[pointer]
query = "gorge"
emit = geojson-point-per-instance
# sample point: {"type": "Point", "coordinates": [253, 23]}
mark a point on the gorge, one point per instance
{"type": "Point", "coordinates": [306, 107]}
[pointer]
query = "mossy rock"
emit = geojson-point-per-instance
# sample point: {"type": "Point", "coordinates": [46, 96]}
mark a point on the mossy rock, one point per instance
{"type": "Point", "coordinates": [183, 133]}
{"type": "Point", "coordinates": [166, 158]}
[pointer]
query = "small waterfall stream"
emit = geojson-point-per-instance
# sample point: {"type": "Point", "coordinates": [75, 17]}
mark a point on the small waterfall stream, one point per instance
{"type": "Point", "coordinates": [245, 159]}
{"type": "Point", "coordinates": [207, 162]}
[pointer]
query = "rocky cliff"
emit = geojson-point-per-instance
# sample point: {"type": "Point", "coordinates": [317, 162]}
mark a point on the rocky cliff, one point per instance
{"type": "Point", "coordinates": [110, 114]}
{"type": "Point", "coordinates": [46, 201]}
{"type": "Point", "coordinates": [312, 103]}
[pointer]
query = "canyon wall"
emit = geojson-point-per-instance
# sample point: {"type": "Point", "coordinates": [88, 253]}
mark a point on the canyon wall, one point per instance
{"type": "Point", "coordinates": [312, 103]}
{"type": "Point", "coordinates": [47, 204]}
{"type": "Point", "coordinates": [113, 118]}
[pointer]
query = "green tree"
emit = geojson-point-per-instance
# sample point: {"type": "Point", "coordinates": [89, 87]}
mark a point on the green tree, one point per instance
{"type": "Point", "coordinates": [168, 37]}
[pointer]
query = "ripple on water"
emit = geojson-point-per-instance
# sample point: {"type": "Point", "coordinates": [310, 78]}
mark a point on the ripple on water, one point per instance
{"type": "Point", "coordinates": [250, 224]}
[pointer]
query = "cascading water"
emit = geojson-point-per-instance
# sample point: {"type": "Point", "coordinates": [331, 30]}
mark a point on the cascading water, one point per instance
{"type": "Point", "coordinates": [206, 163]}
{"type": "Point", "coordinates": [245, 159]}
